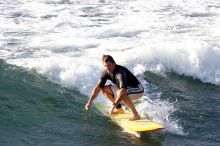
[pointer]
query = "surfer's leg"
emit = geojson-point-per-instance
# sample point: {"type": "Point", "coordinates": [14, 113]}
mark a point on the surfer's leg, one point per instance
{"type": "Point", "coordinates": [135, 96]}
{"type": "Point", "coordinates": [131, 106]}
{"type": "Point", "coordinates": [107, 91]}
{"type": "Point", "coordinates": [133, 93]}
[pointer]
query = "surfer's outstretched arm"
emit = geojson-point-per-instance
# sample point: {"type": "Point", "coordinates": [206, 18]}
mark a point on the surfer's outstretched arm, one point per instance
{"type": "Point", "coordinates": [94, 94]}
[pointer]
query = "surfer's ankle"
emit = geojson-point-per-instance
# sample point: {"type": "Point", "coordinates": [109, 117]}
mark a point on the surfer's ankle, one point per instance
{"type": "Point", "coordinates": [135, 117]}
{"type": "Point", "coordinates": [118, 111]}
{"type": "Point", "coordinates": [118, 106]}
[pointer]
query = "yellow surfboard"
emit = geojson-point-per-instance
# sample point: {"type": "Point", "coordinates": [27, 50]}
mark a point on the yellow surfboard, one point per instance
{"type": "Point", "coordinates": [142, 125]}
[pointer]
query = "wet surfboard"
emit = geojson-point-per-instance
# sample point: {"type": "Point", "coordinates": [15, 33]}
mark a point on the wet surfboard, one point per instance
{"type": "Point", "coordinates": [122, 120]}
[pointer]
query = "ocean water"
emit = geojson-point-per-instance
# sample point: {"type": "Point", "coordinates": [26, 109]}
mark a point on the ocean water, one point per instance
{"type": "Point", "coordinates": [50, 59]}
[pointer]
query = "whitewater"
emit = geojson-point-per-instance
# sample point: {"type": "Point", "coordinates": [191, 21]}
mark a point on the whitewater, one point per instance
{"type": "Point", "coordinates": [63, 40]}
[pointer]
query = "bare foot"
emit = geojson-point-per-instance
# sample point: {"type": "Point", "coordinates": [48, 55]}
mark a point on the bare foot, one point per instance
{"type": "Point", "coordinates": [135, 117]}
{"type": "Point", "coordinates": [117, 111]}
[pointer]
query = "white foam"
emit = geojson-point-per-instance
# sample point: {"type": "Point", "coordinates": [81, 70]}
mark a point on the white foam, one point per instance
{"type": "Point", "coordinates": [68, 72]}
{"type": "Point", "coordinates": [161, 112]}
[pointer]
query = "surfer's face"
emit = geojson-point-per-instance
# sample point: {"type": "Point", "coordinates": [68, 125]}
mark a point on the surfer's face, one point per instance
{"type": "Point", "coordinates": [109, 66]}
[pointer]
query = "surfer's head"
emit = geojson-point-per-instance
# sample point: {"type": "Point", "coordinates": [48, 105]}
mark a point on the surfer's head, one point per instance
{"type": "Point", "coordinates": [108, 58]}
{"type": "Point", "coordinates": [108, 62]}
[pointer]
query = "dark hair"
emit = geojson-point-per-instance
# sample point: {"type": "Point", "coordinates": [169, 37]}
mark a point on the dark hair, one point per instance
{"type": "Point", "coordinates": [107, 58]}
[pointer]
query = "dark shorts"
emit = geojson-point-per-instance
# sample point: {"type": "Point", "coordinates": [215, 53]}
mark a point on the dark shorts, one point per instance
{"type": "Point", "coordinates": [132, 92]}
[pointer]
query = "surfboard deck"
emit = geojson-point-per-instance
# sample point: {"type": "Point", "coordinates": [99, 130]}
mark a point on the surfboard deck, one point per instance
{"type": "Point", "coordinates": [122, 120]}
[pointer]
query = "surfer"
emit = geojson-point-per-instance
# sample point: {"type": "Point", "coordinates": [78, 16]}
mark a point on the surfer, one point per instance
{"type": "Point", "coordinates": [126, 87]}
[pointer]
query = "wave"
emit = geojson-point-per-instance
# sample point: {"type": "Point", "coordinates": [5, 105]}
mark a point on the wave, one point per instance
{"type": "Point", "coordinates": [83, 74]}
{"type": "Point", "coordinates": [34, 110]}
{"type": "Point", "coordinates": [27, 91]}
{"type": "Point", "coordinates": [65, 44]}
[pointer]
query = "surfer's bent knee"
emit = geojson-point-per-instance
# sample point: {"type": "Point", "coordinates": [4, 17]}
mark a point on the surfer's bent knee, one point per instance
{"type": "Point", "coordinates": [107, 89]}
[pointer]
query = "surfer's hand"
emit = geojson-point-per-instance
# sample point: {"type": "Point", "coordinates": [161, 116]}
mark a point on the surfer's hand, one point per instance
{"type": "Point", "coordinates": [87, 106]}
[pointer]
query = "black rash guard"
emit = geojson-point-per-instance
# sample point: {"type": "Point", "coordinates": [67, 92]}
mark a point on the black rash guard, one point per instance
{"type": "Point", "coordinates": [121, 76]}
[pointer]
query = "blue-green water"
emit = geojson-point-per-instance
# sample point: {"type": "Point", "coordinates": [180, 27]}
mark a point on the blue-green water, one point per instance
{"type": "Point", "coordinates": [34, 111]}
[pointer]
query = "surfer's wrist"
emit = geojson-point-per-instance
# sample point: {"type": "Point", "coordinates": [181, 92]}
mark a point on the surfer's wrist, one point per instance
{"type": "Point", "coordinates": [114, 104]}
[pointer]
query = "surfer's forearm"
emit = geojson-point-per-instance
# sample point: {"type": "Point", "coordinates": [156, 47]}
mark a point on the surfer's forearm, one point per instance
{"type": "Point", "coordinates": [94, 94]}
{"type": "Point", "coordinates": [122, 94]}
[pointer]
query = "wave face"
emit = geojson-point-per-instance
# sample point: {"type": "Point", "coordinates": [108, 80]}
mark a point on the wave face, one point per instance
{"type": "Point", "coordinates": [36, 112]}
